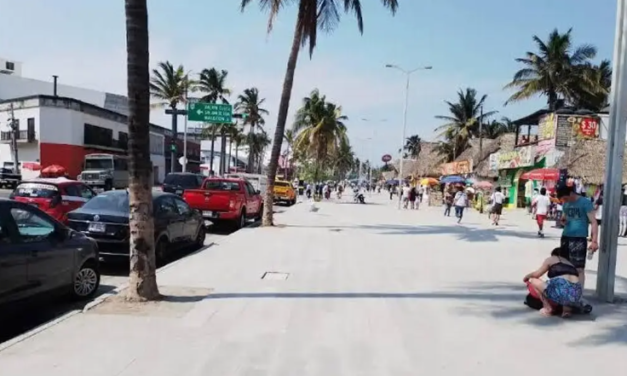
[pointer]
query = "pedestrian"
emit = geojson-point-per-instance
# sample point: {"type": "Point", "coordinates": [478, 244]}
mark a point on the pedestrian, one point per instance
{"type": "Point", "coordinates": [497, 205]}
{"type": "Point", "coordinates": [412, 198]}
{"type": "Point", "coordinates": [598, 211]}
{"type": "Point", "coordinates": [405, 195]}
{"type": "Point", "coordinates": [448, 202]}
{"type": "Point", "coordinates": [461, 202]}
{"type": "Point", "coordinates": [577, 217]}
{"type": "Point", "coordinates": [421, 192]}
{"type": "Point", "coordinates": [541, 205]}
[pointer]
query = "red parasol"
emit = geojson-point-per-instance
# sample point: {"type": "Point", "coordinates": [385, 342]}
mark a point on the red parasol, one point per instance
{"type": "Point", "coordinates": [542, 174]}
{"type": "Point", "coordinates": [53, 171]}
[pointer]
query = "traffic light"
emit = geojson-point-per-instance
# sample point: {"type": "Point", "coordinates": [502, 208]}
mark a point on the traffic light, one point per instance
{"type": "Point", "coordinates": [173, 147]}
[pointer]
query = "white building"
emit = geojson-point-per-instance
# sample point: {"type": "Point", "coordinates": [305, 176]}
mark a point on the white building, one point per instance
{"type": "Point", "coordinates": [61, 131]}
{"type": "Point", "coordinates": [10, 67]}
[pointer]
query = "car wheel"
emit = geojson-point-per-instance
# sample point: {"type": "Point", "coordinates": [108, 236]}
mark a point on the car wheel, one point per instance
{"type": "Point", "coordinates": [161, 251]}
{"type": "Point", "coordinates": [86, 281]}
{"type": "Point", "coordinates": [241, 220]}
{"type": "Point", "coordinates": [259, 216]}
{"type": "Point", "coordinates": [200, 238]}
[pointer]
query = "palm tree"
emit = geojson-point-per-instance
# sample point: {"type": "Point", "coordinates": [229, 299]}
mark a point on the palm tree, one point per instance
{"type": "Point", "coordinates": [554, 71]}
{"type": "Point", "coordinates": [321, 129]}
{"type": "Point", "coordinates": [212, 83]}
{"type": "Point", "coordinates": [238, 138]}
{"type": "Point", "coordinates": [249, 104]}
{"type": "Point", "coordinates": [169, 85]}
{"type": "Point", "coordinates": [463, 122]}
{"type": "Point", "coordinates": [413, 146]}
{"type": "Point", "coordinates": [289, 137]}
{"type": "Point", "coordinates": [142, 276]}
{"type": "Point", "coordinates": [257, 145]}
{"type": "Point", "coordinates": [234, 132]}
{"type": "Point", "coordinates": [595, 86]}
{"type": "Point", "coordinates": [344, 160]}
{"type": "Point", "coordinates": [313, 15]}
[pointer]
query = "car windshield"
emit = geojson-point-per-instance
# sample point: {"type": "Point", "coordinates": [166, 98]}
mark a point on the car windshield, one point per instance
{"type": "Point", "coordinates": [98, 164]}
{"type": "Point", "coordinates": [281, 184]}
{"type": "Point", "coordinates": [116, 201]}
{"type": "Point", "coordinates": [184, 181]}
{"type": "Point", "coordinates": [221, 185]}
{"type": "Point", "coordinates": [35, 190]}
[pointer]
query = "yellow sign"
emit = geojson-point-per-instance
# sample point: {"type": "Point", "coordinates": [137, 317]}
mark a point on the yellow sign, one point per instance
{"type": "Point", "coordinates": [521, 157]}
{"type": "Point", "coordinates": [546, 127]}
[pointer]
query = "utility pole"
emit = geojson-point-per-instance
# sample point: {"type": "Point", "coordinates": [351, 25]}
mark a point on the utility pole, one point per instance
{"type": "Point", "coordinates": [481, 135]}
{"type": "Point", "coordinates": [15, 134]}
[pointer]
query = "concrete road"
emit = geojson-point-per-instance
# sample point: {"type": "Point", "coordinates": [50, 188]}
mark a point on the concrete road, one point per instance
{"type": "Point", "coordinates": [4, 193]}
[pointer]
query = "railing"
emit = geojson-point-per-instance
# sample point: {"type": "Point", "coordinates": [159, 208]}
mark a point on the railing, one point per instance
{"type": "Point", "coordinates": [21, 136]}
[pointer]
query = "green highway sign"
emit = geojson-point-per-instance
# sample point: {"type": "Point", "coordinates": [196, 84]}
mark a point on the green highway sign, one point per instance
{"type": "Point", "coordinates": [210, 112]}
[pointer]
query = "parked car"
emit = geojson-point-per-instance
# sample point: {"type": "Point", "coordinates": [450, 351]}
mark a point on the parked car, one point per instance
{"type": "Point", "coordinates": [9, 178]}
{"type": "Point", "coordinates": [40, 256]}
{"type": "Point", "coordinates": [178, 182]}
{"type": "Point", "coordinates": [284, 192]}
{"type": "Point", "coordinates": [224, 200]}
{"type": "Point", "coordinates": [56, 197]}
{"type": "Point", "coordinates": [105, 218]}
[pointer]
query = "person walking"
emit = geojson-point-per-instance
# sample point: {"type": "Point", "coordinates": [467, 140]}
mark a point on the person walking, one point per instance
{"type": "Point", "coordinates": [461, 202]}
{"type": "Point", "coordinates": [541, 204]}
{"type": "Point", "coordinates": [448, 202]}
{"type": "Point", "coordinates": [412, 198]}
{"type": "Point", "coordinates": [497, 205]}
{"type": "Point", "coordinates": [405, 195]}
{"type": "Point", "coordinates": [577, 217]}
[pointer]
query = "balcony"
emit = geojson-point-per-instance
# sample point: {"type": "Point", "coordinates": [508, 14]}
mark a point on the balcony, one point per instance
{"type": "Point", "coordinates": [22, 136]}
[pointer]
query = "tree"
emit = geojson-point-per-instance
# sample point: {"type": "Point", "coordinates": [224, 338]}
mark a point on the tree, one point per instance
{"type": "Point", "coordinates": [321, 129]}
{"type": "Point", "coordinates": [212, 83]}
{"type": "Point", "coordinates": [313, 15]}
{"type": "Point", "coordinates": [344, 160]}
{"type": "Point", "coordinates": [558, 71]}
{"type": "Point", "coordinates": [210, 132]}
{"type": "Point", "coordinates": [238, 138]}
{"type": "Point", "coordinates": [142, 276]}
{"type": "Point", "coordinates": [169, 85]}
{"type": "Point", "coordinates": [249, 104]}
{"type": "Point", "coordinates": [257, 145]}
{"type": "Point", "coordinates": [290, 137]}
{"type": "Point", "coordinates": [413, 146]}
{"type": "Point", "coordinates": [463, 122]}
{"type": "Point", "coordinates": [595, 86]}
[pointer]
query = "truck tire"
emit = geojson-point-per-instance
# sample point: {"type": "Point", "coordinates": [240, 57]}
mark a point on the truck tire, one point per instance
{"type": "Point", "coordinates": [241, 220]}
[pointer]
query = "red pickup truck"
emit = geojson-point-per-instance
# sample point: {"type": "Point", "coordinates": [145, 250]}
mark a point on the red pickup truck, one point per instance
{"type": "Point", "coordinates": [226, 200]}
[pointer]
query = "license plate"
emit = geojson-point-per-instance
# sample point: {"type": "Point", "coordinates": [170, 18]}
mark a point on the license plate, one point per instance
{"type": "Point", "coordinates": [207, 213]}
{"type": "Point", "coordinates": [179, 191]}
{"type": "Point", "coordinates": [97, 227]}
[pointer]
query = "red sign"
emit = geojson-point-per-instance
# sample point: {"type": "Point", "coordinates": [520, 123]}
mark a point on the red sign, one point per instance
{"type": "Point", "coordinates": [589, 127]}
{"type": "Point", "coordinates": [386, 158]}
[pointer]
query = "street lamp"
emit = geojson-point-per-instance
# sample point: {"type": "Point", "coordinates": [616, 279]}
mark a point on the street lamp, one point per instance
{"type": "Point", "coordinates": [407, 76]}
{"type": "Point", "coordinates": [187, 82]}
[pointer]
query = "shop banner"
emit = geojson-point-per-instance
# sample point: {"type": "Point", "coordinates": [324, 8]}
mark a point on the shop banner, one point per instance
{"type": "Point", "coordinates": [456, 168]}
{"type": "Point", "coordinates": [521, 157]}
{"type": "Point", "coordinates": [493, 162]}
{"type": "Point", "coordinates": [546, 127]}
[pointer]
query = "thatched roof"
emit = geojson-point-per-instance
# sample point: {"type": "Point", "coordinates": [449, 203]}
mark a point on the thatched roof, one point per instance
{"type": "Point", "coordinates": [387, 175]}
{"type": "Point", "coordinates": [427, 164]}
{"type": "Point", "coordinates": [586, 159]}
{"type": "Point", "coordinates": [505, 142]}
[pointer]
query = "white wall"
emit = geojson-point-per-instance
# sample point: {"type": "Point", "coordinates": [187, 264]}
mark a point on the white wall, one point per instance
{"type": "Point", "coordinates": [15, 87]}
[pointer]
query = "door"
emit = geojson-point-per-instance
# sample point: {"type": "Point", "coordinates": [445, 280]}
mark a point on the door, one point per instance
{"type": "Point", "coordinates": [75, 196]}
{"type": "Point", "coordinates": [168, 218]}
{"type": "Point", "coordinates": [253, 201]}
{"type": "Point", "coordinates": [190, 224]}
{"type": "Point", "coordinates": [13, 267]}
{"type": "Point", "coordinates": [50, 260]}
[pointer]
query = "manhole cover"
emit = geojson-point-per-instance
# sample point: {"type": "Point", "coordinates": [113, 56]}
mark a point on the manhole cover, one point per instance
{"type": "Point", "coordinates": [275, 276]}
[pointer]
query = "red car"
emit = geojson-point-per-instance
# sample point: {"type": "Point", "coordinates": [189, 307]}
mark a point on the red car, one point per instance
{"type": "Point", "coordinates": [226, 200]}
{"type": "Point", "coordinates": [56, 197]}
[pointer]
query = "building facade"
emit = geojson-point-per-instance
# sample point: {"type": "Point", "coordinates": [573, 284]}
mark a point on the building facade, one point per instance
{"type": "Point", "coordinates": [61, 131]}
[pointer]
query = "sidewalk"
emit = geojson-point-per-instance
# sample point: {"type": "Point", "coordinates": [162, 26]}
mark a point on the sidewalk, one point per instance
{"type": "Point", "coordinates": [371, 291]}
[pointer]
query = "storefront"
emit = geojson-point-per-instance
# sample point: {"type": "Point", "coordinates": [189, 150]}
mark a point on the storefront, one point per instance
{"type": "Point", "coordinates": [460, 168]}
{"type": "Point", "coordinates": [511, 165]}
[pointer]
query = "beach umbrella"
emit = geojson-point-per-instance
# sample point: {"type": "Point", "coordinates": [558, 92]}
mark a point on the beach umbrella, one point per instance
{"type": "Point", "coordinates": [429, 181]}
{"type": "Point", "coordinates": [453, 179]}
{"type": "Point", "coordinates": [53, 171]}
{"type": "Point", "coordinates": [483, 185]}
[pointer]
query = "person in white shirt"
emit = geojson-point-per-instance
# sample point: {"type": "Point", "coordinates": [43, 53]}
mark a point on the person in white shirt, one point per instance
{"type": "Point", "coordinates": [541, 205]}
{"type": "Point", "coordinates": [405, 194]}
{"type": "Point", "coordinates": [461, 202]}
{"type": "Point", "coordinates": [497, 205]}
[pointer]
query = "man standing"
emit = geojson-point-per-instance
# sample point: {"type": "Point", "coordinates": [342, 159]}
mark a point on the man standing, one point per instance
{"type": "Point", "coordinates": [541, 205]}
{"type": "Point", "coordinates": [497, 206]}
{"type": "Point", "coordinates": [461, 202]}
{"type": "Point", "coordinates": [578, 214]}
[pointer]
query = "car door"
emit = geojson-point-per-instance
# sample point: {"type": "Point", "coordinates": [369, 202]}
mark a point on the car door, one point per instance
{"type": "Point", "coordinates": [50, 260]}
{"type": "Point", "coordinates": [72, 196]}
{"type": "Point", "coordinates": [252, 200]}
{"type": "Point", "coordinates": [169, 218]}
{"type": "Point", "coordinates": [190, 224]}
{"type": "Point", "coordinates": [13, 265]}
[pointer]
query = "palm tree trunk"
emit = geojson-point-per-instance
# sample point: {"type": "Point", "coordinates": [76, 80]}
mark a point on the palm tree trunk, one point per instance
{"type": "Point", "coordinates": [222, 151]}
{"type": "Point", "coordinates": [284, 105]}
{"type": "Point", "coordinates": [251, 157]}
{"type": "Point", "coordinates": [142, 276]}
{"type": "Point", "coordinates": [228, 161]}
{"type": "Point", "coordinates": [236, 157]}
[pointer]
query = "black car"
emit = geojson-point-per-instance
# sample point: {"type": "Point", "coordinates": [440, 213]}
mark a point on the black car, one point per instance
{"type": "Point", "coordinates": [40, 256]}
{"type": "Point", "coordinates": [105, 218]}
{"type": "Point", "coordinates": [178, 182]}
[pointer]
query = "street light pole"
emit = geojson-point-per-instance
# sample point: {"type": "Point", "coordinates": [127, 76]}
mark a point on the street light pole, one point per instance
{"type": "Point", "coordinates": [407, 77]}
{"type": "Point", "coordinates": [612, 194]}
{"type": "Point", "coordinates": [15, 133]}
{"type": "Point", "coordinates": [184, 167]}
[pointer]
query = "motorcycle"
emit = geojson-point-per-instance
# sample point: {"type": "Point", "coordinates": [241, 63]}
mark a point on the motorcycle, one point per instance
{"type": "Point", "coordinates": [359, 198]}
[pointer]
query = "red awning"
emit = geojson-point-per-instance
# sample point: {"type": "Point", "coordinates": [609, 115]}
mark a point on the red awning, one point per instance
{"type": "Point", "coordinates": [542, 174]}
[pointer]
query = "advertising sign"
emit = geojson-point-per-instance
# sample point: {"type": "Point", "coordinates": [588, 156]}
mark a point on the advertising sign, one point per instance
{"type": "Point", "coordinates": [386, 158]}
{"type": "Point", "coordinates": [456, 168]}
{"type": "Point", "coordinates": [546, 127]}
{"type": "Point", "coordinates": [493, 162]}
{"type": "Point", "coordinates": [521, 157]}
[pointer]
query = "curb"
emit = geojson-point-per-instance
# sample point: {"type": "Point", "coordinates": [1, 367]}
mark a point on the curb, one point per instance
{"type": "Point", "coordinates": [94, 303]}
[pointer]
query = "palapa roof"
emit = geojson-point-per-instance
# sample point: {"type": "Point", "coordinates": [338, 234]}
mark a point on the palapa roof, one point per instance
{"type": "Point", "coordinates": [427, 164]}
{"type": "Point", "coordinates": [505, 142]}
{"type": "Point", "coordinates": [586, 159]}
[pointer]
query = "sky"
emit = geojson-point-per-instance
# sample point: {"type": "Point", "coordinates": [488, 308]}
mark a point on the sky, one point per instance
{"type": "Point", "coordinates": [468, 43]}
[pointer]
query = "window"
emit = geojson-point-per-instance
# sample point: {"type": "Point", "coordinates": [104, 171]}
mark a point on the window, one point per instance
{"type": "Point", "coordinates": [72, 190]}
{"type": "Point", "coordinates": [9, 65]}
{"type": "Point", "coordinates": [220, 185]}
{"type": "Point", "coordinates": [166, 207]}
{"type": "Point", "coordinates": [98, 136]}
{"type": "Point", "coordinates": [122, 140]}
{"type": "Point", "coordinates": [36, 190]}
{"type": "Point", "coordinates": [30, 128]}
{"type": "Point", "coordinates": [120, 164]}
{"type": "Point", "coordinates": [182, 206]}
{"type": "Point", "coordinates": [251, 190]}
{"type": "Point", "coordinates": [281, 184]}
{"type": "Point", "coordinates": [116, 201]}
{"type": "Point", "coordinates": [86, 192]}
{"type": "Point", "coordinates": [31, 226]}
